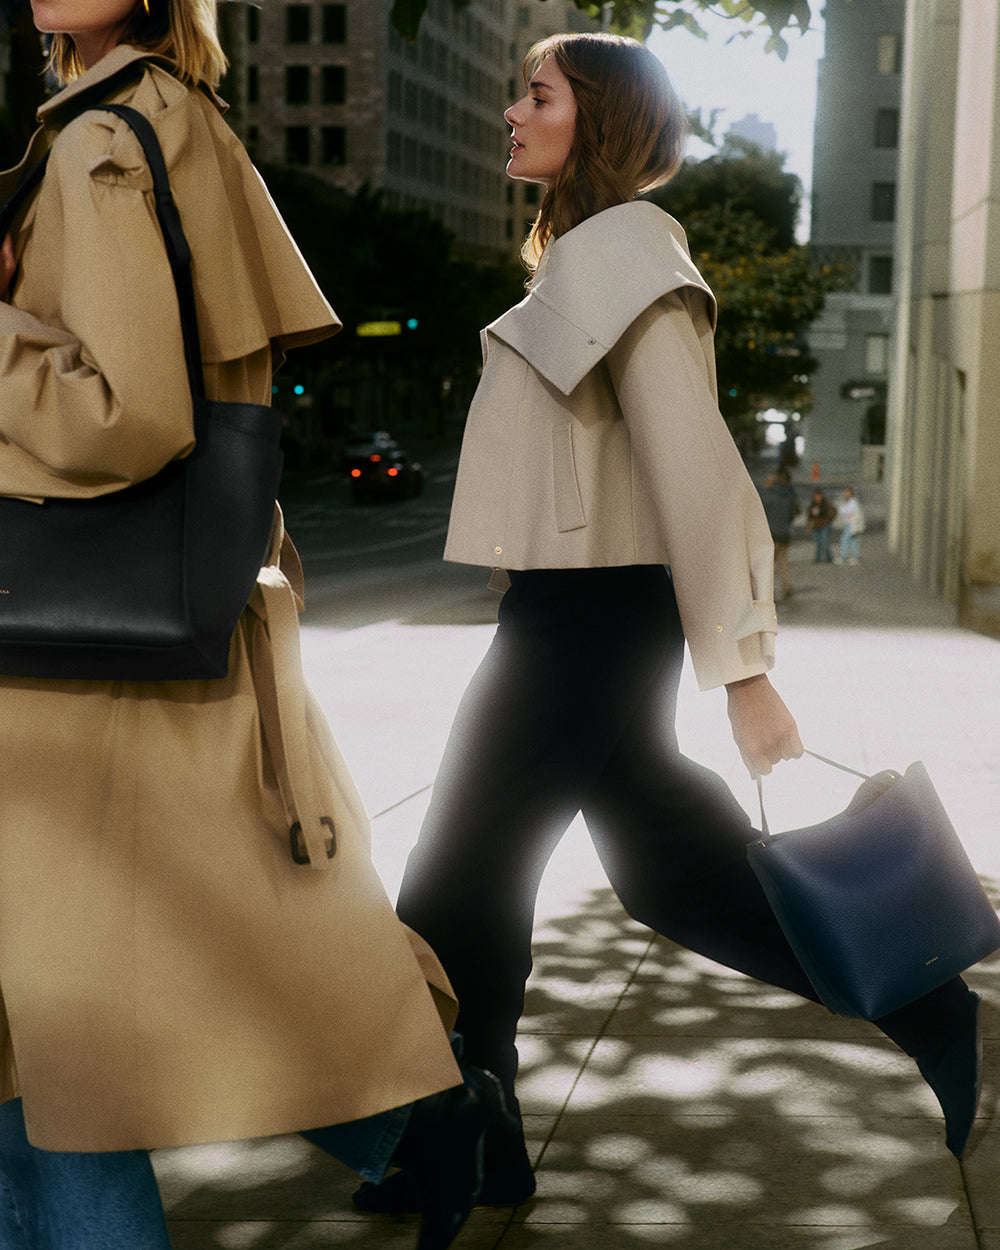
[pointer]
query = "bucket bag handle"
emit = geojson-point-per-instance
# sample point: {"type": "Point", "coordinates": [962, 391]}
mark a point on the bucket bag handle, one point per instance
{"type": "Point", "coordinates": [764, 829]}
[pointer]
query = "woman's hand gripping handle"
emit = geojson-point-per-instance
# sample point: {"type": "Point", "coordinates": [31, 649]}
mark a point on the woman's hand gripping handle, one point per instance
{"type": "Point", "coordinates": [764, 729]}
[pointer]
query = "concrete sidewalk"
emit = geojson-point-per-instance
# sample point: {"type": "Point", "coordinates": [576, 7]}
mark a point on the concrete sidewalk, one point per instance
{"type": "Point", "coordinates": [669, 1101]}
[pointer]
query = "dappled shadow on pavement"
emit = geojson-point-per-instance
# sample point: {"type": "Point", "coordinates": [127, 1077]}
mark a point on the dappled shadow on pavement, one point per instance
{"type": "Point", "coordinates": [667, 1101]}
{"type": "Point", "coordinates": [708, 1110]}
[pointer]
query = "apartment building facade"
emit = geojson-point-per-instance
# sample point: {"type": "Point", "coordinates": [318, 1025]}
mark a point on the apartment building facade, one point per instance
{"type": "Point", "coordinates": [333, 89]}
{"type": "Point", "coordinates": [854, 206]}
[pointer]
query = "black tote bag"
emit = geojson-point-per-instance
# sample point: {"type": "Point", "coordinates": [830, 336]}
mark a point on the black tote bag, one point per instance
{"type": "Point", "coordinates": [146, 583]}
{"type": "Point", "coordinates": [880, 902]}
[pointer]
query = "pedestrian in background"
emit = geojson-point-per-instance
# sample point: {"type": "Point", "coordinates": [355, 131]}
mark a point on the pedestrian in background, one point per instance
{"type": "Point", "coordinates": [819, 522]}
{"type": "Point", "coordinates": [599, 480]}
{"type": "Point", "coordinates": [781, 507]}
{"type": "Point", "coordinates": [169, 972]}
{"type": "Point", "coordinates": [851, 519]}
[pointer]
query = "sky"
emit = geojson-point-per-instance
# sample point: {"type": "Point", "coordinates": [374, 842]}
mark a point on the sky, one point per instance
{"type": "Point", "coordinates": [738, 76]}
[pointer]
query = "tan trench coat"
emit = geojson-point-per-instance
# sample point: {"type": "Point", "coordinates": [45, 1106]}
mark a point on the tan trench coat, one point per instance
{"type": "Point", "coordinates": [169, 974]}
{"type": "Point", "coordinates": [595, 438]}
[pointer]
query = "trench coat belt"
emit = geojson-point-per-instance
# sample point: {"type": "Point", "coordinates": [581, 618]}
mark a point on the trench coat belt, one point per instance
{"type": "Point", "coordinates": [282, 699]}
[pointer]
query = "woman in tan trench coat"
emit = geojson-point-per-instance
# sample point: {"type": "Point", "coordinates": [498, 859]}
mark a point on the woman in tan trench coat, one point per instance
{"type": "Point", "coordinates": [168, 973]}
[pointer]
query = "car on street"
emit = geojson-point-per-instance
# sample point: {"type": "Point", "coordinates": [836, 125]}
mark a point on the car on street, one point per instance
{"type": "Point", "coordinates": [378, 468]}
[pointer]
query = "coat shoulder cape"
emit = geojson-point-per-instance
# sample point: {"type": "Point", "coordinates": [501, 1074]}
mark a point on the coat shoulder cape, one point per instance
{"type": "Point", "coordinates": [592, 285]}
{"type": "Point", "coordinates": [254, 286]}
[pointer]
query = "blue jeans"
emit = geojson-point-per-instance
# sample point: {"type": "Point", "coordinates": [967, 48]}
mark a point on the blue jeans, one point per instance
{"type": "Point", "coordinates": [63, 1200]}
{"type": "Point", "coordinates": [821, 542]}
{"type": "Point", "coordinates": [849, 545]}
{"type": "Point", "coordinates": [67, 1201]}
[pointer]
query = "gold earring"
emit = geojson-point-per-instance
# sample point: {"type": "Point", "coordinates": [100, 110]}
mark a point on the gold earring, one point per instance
{"type": "Point", "coordinates": [145, 7]}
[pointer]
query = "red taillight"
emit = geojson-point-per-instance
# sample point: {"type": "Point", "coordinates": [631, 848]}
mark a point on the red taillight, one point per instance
{"type": "Point", "coordinates": [374, 459]}
{"type": "Point", "coordinates": [355, 473]}
{"type": "Point", "coordinates": [393, 472]}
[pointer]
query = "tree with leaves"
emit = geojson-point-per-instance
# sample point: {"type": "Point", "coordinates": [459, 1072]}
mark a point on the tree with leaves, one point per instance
{"type": "Point", "coordinates": [385, 265]}
{"type": "Point", "coordinates": [739, 208]}
{"type": "Point", "coordinates": [639, 17]}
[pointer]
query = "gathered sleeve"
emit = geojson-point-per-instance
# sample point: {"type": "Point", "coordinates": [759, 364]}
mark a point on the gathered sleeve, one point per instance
{"type": "Point", "coordinates": [93, 392]}
{"type": "Point", "coordinates": [693, 479]}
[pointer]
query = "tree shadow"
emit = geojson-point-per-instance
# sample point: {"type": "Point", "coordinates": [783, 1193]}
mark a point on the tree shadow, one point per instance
{"type": "Point", "coordinates": [720, 1111]}
{"type": "Point", "coordinates": [667, 1100]}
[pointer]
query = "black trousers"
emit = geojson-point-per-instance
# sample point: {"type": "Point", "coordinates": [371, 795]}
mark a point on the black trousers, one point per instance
{"type": "Point", "coordinates": [573, 709]}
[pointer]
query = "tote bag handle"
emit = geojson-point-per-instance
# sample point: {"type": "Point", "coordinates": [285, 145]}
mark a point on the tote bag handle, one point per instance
{"type": "Point", "coordinates": [765, 831]}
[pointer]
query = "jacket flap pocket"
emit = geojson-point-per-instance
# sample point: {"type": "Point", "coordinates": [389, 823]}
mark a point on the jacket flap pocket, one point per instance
{"type": "Point", "coordinates": [569, 504]}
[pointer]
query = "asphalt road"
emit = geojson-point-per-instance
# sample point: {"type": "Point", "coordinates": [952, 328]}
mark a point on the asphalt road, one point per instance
{"type": "Point", "coordinates": [382, 561]}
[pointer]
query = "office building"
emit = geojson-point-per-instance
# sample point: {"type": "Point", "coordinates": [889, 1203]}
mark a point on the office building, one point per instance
{"type": "Point", "coordinates": [854, 200]}
{"type": "Point", "coordinates": [333, 89]}
{"type": "Point", "coordinates": [944, 415]}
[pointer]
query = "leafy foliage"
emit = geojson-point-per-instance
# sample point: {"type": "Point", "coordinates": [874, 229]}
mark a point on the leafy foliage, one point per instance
{"type": "Point", "coordinates": [380, 264]}
{"type": "Point", "coordinates": [739, 208]}
{"type": "Point", "coordinates": [639, 17]}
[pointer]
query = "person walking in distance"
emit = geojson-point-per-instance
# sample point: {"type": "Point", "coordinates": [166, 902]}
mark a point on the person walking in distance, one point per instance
{"type": "Point", "coordinates": [851, 520]}
{"type": "Point", "coordinates": [780, 508]}
{"type": "Point", "coordinates": [819, 522]}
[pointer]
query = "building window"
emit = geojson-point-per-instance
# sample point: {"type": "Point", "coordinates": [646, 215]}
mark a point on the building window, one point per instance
{"type": "Point", "coordinates": [395, 92]}
{"type": "Point", "coordinates": [880, 275]}
{"type": "Point", "coordinates": [253, 24]}
{"type": "Point", "coordinates": [877, 354]}
{"type": "Point", "coordinates": [394, 151]}
{"type": "Point", "coordinates": [297, 23]}
{"type": "Point", "coordinates": [887, 128]}
{"type": "Point", "coordinates": [297, 145]}
{"type": "Point", "coordinates": [883, 201]}
{"type": "Point", "coordinates": [334, 145]}
{"type": "Point", "coordinates": [296, 84]}
{"type": "Point", "coordinates": [253, 84]}
{"type": "Point", "coordinates": [889, 55]}
{"type": "Point", "coordinates": [334, 84]}
{"type": "Point", "coordinates": [334, 23]}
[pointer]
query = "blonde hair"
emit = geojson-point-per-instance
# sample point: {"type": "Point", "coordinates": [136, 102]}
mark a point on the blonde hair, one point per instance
{"type": "Point", "coordinates": [629, 134]}
{"type": "Point", "coordinates": [184, 31]}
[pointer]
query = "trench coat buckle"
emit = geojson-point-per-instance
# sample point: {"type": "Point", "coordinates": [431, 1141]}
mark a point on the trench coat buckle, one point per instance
{"type": "Point", "coordinates": [299, 853]}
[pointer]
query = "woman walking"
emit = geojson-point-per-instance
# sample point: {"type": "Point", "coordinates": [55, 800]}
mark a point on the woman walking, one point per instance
{"type": "Point", "coordinates": [819, 521]}
{"type": "Point", "coordinates": [170, 973]}
{"type": "Point", "coordinates": [598, 479]}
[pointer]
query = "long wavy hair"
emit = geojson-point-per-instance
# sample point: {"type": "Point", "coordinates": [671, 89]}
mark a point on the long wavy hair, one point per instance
{"type": "Point", "coordinates": [629, 134]}
{"type": "Point", "coordinates": [186, 32]}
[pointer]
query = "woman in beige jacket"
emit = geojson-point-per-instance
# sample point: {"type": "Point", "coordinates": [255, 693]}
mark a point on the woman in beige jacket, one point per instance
{"type": "Point", "coordinates": [169, 973]}
{"type": "Point", "coordinates": [599, 480]}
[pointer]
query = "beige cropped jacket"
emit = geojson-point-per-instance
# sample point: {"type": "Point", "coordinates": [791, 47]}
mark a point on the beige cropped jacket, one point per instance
{"type": "Point", "coordinates": [595, 438]}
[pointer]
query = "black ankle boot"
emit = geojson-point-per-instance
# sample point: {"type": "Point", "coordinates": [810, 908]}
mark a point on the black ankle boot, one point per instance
{"type": "Point", "coordinates": [442, 1152]}
{"type": "Point", "coordinates": [507, 1179]}
{"type": "Point", "coordinates": [953, 1068]}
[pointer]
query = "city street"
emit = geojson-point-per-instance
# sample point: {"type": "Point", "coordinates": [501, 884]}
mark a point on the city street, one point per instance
{"type": "Point", "coordinates": [667, 1100]}
{"type": "Point", "coordinates": [371, 562]}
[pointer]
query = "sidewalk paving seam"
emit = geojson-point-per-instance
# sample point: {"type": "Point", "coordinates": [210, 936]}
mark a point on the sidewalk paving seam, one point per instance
{"type": "Point", "coordinates": [400, 802]}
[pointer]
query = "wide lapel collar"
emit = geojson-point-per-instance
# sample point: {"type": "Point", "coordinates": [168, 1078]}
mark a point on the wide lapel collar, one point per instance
{"type": "Point", "coordinates": [593, 283]}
